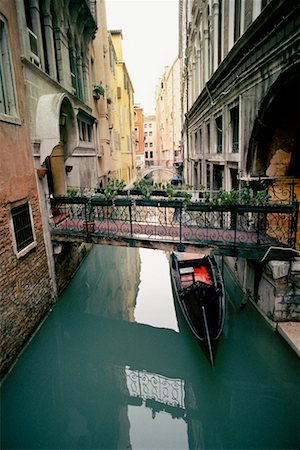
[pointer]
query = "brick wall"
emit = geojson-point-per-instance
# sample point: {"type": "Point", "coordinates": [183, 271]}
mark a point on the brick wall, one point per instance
{"type": "Point", "coordinates": [26, 293]}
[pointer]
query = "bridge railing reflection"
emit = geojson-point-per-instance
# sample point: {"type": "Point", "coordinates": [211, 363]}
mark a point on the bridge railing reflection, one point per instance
{"type": "Point", "coordinates": [157, 392]}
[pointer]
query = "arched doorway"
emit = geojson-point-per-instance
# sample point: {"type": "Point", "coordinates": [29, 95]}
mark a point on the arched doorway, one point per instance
{"type": "Point", "coordinates": [274, 150]}
{"type": "Point", "coordinates": [274, 146]}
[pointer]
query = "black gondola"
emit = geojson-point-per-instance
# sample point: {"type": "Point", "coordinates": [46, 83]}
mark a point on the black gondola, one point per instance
{"type": "Point", "coordinates": [199, 291]}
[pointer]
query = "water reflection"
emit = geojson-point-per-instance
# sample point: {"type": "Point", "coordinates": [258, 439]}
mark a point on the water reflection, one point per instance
{"type": "Point", "coordinates": [110, 369]}
{"type": "Point", "coordinates": [154, 304]}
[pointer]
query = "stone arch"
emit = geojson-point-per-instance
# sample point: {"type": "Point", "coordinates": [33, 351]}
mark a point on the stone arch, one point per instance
{"type": "Point", "coordinates": [55, 124]}
{"type": "Point", "coordinates": [274, 144]}
{"type": "Point", "coordinates": [57, 133]}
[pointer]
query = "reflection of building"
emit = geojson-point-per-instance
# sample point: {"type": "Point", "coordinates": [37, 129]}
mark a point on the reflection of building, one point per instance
{"type": "Point", "coordinates": [150, 141]}
{"type": "Point", "coordinates": [168, 117]}
{"type": "Point", "coordinates": [26, 288]}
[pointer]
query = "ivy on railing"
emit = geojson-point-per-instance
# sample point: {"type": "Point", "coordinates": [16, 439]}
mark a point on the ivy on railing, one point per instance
{"type": "Point", "coordinates": [243, 196]}
{"type": "Point", "coordinates": [147, 189]}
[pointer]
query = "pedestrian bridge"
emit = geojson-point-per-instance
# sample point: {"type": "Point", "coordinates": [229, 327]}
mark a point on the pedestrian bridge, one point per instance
{"type": "Point", "coordinates": [237, 230]}
{"type": "Point", "coordinates": [147, 170]}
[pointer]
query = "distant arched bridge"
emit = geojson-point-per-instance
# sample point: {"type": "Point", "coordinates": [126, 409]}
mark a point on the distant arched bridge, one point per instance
{"type": "Point", "coordinates": [147, 170]}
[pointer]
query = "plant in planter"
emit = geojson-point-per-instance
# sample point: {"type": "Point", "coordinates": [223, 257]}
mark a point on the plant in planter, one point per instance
{"type": "Point", "coordinates": [170, 190]}
{"type": "Point", "coordinates": [41, 171]}
{"type": "Point", "coordinates": [72, 191]}
{"type": "Point", "coordinates": [112, 188]}
{"type": "Point", "coordinates": [187, 197]}
{"type": "Point", "coordinates": [98, 91]}
{"type": "Point", "coordinates": [145, 186]}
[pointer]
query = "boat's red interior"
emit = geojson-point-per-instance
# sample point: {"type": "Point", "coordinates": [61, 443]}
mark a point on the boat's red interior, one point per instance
{"type": "Point", "coordinates": [201, 274]}
{"type": "Point", "coordinates": [193, 275]}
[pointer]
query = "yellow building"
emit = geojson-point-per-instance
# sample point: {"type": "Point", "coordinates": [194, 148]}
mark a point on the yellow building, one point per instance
{"type": "Point", "coordinates": [122, 109]}
{"type": "Point", "coordinates": [112, 105]}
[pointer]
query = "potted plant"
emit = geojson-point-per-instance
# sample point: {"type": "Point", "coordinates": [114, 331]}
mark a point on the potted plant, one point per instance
{"type": "Point", "coordinates": [98, 90]}
{"type": "Point", "coordinates": [89, 223]}
{"type": "Point", "coordinates": [41, 171]}
{"type": "Point", "coordinates": [112, 188]}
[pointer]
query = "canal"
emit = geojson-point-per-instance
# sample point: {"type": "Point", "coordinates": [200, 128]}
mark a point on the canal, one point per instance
{"type": "Point", "coordinates": [114, 367]}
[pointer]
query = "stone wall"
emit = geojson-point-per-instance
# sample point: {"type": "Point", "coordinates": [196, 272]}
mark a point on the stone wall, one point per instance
{"type": "Point", "coordinates": [279, 291]}
{"type": "Point", "coordinates": [274, 287]}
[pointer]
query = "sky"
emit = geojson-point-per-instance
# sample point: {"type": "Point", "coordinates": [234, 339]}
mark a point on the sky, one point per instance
{"type": "Point", "coordinates": [150, 42]}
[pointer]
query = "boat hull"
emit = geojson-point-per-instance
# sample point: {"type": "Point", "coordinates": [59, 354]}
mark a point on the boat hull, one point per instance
{"type": "Point", "coordinates": [201, 299]}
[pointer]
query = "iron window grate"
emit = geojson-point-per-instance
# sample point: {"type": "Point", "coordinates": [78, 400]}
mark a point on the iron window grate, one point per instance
{"type": "Point", "coordinates": [22, 226]}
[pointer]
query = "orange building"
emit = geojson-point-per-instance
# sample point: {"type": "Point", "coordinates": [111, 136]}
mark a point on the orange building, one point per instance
{"type": "Point", "coordinates": [139, 137]}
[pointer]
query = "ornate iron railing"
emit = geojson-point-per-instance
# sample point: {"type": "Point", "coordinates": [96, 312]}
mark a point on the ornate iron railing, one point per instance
{"type": "Point", "coordinates": [174, 221]}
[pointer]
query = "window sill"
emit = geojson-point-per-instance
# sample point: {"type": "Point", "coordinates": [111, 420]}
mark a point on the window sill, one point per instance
{"type": "Point", "coordinates": [26, 250]}
{"type": "Point", "coordinates": [10, 119]}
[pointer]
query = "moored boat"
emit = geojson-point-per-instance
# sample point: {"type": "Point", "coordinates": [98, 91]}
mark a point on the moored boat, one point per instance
{"type": "Point", "coordinates": [199, 291]}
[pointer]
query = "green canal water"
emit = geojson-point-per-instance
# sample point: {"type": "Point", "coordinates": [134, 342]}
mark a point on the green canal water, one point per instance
{"type": "Point", "coordinates": [115, 367]}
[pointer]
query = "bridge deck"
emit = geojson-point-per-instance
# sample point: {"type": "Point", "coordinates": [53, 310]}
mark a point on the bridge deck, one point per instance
{"type": "Point", "coordinates": [234, 230]}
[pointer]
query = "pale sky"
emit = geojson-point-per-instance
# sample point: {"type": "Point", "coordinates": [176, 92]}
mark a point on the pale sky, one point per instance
{"type": "Point", "coordinates": [150, 42]}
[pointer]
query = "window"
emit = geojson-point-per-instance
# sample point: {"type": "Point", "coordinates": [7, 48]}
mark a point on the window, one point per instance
{"type": "Point", "coordinates": [208, 176]}
{"type": "Point", "coordinates": [22, 226]}
{"type": "Point", "coordinates": [151, 154]}
{"type": "Point", "coordinates": [219, 126]}
{"type": "Point", "coordinates": [234, 123]}
{"type": "Point", "coordinates": [150, 133]}
{"type": "Point", "coordinates": [220, 18]}
{"type": "Point", "coordinates": [146, 144]}
{"type": "Point", "coordinates": [7, 91]}
{"type": "Point", "coordinates": [237, 19]}
{"type": "Point", "coordinates": [218, 175]}
{"type": "Point", "coordinates": [150, 125]}
{"type": "Point", "coordinates": [151, 144]}
{"type": "Point", "coordinates": [85, 131]}
{"type": "Point", "coordinates": [208, 136]}
{"type": "Point", "coordinates": [145, 133]}
{"type": "Point", "coordinates": [146, 154]}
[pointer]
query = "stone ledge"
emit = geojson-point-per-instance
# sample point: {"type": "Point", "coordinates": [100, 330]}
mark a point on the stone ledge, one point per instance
{"type": "Point", "coordinates": [291, 333]}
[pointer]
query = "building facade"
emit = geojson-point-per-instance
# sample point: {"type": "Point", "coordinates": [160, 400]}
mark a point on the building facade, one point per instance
{"type": "Point", "coordinates": [240, 69]}
{"type": "Point", "coordinates": [56, 127]}
{"type": "Point", "coordinates": [240, 90]}
{"type": "Point", "coordinates": [108, 164]}
{"type": "Point", "coordinates": [27, 285]}
{"type": "Point", "coordinates": [139, 137]}
{"type": "Point", "coordinates": [150, 142]}
{"type": "Point", "coordinates": [168, 115]}
{"type": "Point", "coordinates": [124, 110]}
